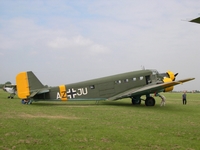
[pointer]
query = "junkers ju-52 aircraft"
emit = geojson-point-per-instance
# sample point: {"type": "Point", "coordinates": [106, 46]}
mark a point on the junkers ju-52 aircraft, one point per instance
{"type": "Point", "coordinates": [131, 85]}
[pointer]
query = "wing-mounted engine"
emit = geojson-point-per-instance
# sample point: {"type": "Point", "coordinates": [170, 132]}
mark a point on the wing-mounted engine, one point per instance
{"type": "Point", "coordinates": [168, 77]}
{"type": "Point", "coordinates": [171, 75]}
{"type": "Point", "coordinates": [168, 89]}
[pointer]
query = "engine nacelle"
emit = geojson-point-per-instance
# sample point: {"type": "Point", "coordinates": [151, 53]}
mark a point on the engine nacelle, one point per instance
{"type": "Point", "coordinates": [168, 89]}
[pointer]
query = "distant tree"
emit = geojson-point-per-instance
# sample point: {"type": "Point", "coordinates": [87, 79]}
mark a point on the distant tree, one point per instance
{"type": "Point", "coordinates": [8, 82]}
{"type": "Point", "coordinates": [1, 85]}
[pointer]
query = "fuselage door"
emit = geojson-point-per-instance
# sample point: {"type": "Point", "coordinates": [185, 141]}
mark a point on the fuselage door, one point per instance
{"type": "Point", "coordinates": [148, 79]}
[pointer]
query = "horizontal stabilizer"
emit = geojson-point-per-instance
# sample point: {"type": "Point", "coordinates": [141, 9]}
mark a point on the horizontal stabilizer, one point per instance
{"type": "Point", "coordinates": [42, 91]}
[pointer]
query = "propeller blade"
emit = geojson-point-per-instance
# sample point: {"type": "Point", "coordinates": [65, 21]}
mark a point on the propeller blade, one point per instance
{"type": "Point", "coordinates": [176, 74]}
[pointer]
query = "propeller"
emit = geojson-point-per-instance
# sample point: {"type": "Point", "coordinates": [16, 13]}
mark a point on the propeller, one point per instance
{"type": "Point", "coordinates": [175, 76]}
{"type": "Point", "coordinates": [169, 74]}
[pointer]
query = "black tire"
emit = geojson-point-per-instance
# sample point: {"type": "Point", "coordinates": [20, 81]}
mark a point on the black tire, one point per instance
{"type": "Point", "coordinates": [136, 101]}
{"type": "Point", "coordinates": [150, 101]}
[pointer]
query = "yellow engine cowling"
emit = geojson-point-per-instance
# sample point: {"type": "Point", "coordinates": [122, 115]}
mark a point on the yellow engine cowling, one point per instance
{"type": "Point", "coordinates": [171, 75]}
{"type": "Point", "coordinates": [168, 89]}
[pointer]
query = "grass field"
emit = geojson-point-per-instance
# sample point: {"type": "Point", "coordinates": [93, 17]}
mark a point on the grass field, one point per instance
{"type": "Point", "coordinates": [107, 126]}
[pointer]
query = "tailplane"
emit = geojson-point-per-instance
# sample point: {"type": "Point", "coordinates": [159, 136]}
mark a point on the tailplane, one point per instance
{"type": "Point", "coordinates": [27, 82]}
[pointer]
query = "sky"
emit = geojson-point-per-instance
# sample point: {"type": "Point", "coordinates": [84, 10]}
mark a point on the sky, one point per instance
{"type": "Point", "coordinates": [64, 41]}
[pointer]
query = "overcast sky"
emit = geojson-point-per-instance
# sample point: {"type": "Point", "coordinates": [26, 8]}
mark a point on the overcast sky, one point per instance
{"type": "Point", "coordinates": [65, 41]}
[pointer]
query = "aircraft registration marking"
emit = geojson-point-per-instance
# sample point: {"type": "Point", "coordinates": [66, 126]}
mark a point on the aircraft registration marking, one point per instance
{"type": "Point", "coordinates": [63, 94]}
{"type": "Point", "coordinates": [70, 93]}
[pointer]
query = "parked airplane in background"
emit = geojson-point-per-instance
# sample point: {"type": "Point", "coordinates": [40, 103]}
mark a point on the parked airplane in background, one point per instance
{"type": "Point", "coordinates": [196, 20]}
{"type": "Point", "coordinates": [10, 88]}
{"type": "Point", "coordinates": [132, 85]}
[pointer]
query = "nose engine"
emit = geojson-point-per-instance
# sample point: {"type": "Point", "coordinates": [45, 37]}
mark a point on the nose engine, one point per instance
{"type": "Point", "coordinates": [169, 77]}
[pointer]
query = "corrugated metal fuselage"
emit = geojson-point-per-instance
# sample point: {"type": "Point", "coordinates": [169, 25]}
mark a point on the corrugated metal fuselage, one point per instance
{"type": "Point", "coordinates": [99, 89]}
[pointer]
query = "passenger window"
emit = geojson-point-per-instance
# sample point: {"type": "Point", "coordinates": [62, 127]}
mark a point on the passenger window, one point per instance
{"type": "Point", "coordinates": [126, 80]}
{"type": "Point", "coordinates": [118, 81]}
{"type": "Point", "coordinates": [92, 87]}
{"type": "Point", "coordinates": [134, 79]}
{"type": "Point", "coordinates": [141, 78]}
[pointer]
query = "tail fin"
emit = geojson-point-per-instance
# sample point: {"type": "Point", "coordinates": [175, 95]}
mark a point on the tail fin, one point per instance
{"type": "Point", "coordinates": [26, 83]}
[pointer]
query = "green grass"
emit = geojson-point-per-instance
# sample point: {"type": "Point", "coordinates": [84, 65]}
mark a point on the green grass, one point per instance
{"type": "Point", "coordinates": [106, 126]}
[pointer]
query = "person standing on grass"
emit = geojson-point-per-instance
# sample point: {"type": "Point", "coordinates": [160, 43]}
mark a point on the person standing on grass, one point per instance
{"type": "Point", "coordinates": [162, 98]}
{"type": "Point", "coordinates": [184, 98]}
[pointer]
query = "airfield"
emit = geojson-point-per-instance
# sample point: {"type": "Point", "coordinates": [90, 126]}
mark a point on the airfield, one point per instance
{"type": "Point", "coordinates": [104, 126]}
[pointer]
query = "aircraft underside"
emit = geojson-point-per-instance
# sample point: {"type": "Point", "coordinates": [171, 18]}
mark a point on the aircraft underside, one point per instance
{"type": "Point", "coordinates": [149, 101]}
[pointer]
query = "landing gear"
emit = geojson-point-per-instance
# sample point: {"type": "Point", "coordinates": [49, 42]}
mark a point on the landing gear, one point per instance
{"type": "Point", "coordinates": [11, 97]}
{"type": "Point", "coordinates": [26, 101]}
{"type": "Point", "coordinates": [150, 101]}
{"type": "Point", "coordinates": [30, 102]}
{"type": "Point", "coordinates": [136, 100]}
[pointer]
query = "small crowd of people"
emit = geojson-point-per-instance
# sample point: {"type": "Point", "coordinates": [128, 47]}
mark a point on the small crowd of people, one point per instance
{"type": "Point", "coordinates": [25, 101]}
{"type": "Point", "coordinates": [163, 99]}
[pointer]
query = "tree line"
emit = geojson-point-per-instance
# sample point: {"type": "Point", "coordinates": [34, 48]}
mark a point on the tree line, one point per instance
{"type": "Point", "coordinates": [1, 85]}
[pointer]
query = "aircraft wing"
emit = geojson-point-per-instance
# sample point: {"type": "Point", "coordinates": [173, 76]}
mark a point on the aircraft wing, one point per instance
{"type": "Point", "coordinates": [148, 89]}
{"type": "Point", "coordinates": [196, 20]}
{"type": "Point", "coordinates": [10, 85]}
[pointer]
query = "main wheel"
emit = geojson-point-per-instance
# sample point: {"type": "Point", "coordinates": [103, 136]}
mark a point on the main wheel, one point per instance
{"type": "Point", "coordinates": [150, 101]}
{"type": "Point", "coordinates": [136, 100]}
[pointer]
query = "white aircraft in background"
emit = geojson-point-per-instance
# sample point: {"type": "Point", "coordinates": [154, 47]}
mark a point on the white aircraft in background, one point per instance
{"type": "Point", "coordinates": [10, 88]}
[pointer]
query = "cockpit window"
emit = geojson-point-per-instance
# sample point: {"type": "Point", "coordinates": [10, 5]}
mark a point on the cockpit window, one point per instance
{"type": "Point", "coordinates": [154, 71]}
